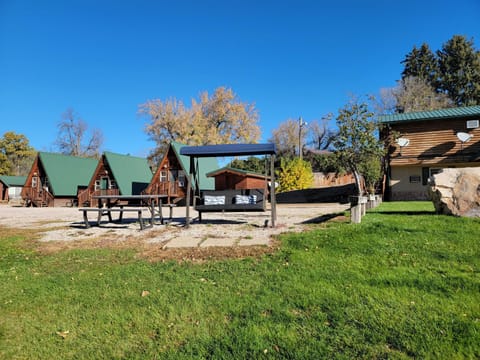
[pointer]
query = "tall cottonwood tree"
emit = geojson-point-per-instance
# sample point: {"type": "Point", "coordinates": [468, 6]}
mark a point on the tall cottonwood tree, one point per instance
{"type": "Point", "coordinates": [73, 138]}
{"type": "Point", "coordinates": [212, 119]}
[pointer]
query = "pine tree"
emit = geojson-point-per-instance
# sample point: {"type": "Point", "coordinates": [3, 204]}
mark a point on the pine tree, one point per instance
{"type": "Point", "coordinates": [421, 63]}
{"type": "Point", "coordinates": [459, 71]}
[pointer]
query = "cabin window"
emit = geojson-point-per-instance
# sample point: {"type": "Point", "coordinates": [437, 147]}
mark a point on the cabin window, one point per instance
{"type": "Point", "coordinates": [415, 179]}
{"type": "Point", "coordinates": [34, 182]}
{"type": "Point", "coordinates": [97, 185]}
{"type": "Point", "coordinates": [163, 176]}
{"type": "Point", "coordinates": [113, 184]}
{"type": "Point", "coordinates": [428, 172]}
{"type": "Point", "coordinates": [181, 178]}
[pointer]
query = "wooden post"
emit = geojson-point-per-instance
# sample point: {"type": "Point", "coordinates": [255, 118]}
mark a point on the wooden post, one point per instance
{"type": "Point", "coordinates": [355, 214]}
{"type": "Point", "coordinates": [363, 208]}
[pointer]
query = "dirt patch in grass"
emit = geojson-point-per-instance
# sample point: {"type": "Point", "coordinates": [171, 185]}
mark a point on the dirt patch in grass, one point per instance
{"type": "Point", "coordinates": [201, 254]}
{"type": "Point", "coordinates": [152, 252]}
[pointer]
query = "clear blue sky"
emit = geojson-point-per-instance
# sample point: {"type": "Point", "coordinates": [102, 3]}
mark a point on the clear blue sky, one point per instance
{"type": "Point", "coordinates": [291, 58]}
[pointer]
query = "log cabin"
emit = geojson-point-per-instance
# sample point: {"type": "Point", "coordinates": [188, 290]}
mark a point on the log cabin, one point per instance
{"type": "Point", "coordinates": [231, 178]}
{"type": "Point", "coordinates": [55, 179]}
{"type": "Point", "coordinates": [11, 187]}
{"type": "Point", "coordinates": [116, 174]}
{"type": "Point", "coordinates": [171, 177]}
{"type": "Point", "coordinates": [426, 142]}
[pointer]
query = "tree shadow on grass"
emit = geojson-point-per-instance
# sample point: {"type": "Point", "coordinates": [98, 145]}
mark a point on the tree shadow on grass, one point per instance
{"type": "Point", "coordinates": [325, 218]}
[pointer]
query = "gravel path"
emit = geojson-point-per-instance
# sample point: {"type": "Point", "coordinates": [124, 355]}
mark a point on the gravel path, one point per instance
{"type": "Point", "coordinates": [216, 229]}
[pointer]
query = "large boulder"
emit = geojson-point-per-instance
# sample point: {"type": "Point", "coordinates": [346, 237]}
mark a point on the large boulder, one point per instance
{"type": "Point", "coordinates": [456, 191]}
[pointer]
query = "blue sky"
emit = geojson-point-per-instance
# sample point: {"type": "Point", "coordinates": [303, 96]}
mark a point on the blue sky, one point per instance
{"type": "Point", "coordinates": [291, 58]}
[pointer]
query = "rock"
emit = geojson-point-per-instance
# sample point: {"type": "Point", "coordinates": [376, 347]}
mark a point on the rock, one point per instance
{"type": "Point", "coordinates": [456, 191]}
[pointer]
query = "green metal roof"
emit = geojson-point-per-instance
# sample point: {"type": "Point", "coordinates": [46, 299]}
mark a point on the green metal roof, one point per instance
{"type": "Point", "coordinates": [132, 174]}
{"type": "Point", "coordinates": [460, 112]}
{"type": "Point", "coordinates": [205, 165]}
{"type": "Point", "coordinates": [11, 181]}
{"type": "Point", "coordinates": [66, 173]}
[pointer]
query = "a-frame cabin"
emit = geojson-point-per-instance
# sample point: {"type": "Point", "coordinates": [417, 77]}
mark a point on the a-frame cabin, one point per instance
{"type": "Point", "coordinates": [117, 174]}
{"type": "Point", "coordinates": [171, 177]}
{"type": "Point", "coordinates": [55, 179]}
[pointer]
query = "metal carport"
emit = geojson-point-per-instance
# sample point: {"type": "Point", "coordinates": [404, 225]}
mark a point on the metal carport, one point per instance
{"type": "Point", "coordinates": [225, 150]}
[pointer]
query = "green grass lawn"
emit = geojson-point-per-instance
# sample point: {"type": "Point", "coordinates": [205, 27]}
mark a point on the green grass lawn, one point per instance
{"type": "Point", "coordinates": [404, 283]}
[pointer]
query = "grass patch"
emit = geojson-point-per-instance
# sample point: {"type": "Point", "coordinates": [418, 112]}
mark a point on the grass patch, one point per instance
{"type": "Point", "coordinates": [402, 284]}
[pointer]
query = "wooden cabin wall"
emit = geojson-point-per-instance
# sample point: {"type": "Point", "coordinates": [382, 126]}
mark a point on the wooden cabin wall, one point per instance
{"type": "Point", "coordinates": [3, 192]}
{"type": "Point", "coordinates": [234, 181]}
{"type": "Point", "coordinates": [434, 142]}
{"type": "Point", "coordinates": [168, 163]}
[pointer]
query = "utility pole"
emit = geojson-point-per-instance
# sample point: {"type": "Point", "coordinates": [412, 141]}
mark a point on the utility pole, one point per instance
{"type": "Point", "coordinates": [301, 124]}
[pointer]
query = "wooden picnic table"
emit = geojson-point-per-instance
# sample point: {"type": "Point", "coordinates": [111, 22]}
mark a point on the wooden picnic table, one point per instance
{"type": "Point", "coordinates": [123, 203]}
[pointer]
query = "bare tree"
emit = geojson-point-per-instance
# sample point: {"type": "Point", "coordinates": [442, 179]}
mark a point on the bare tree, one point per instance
{"type": "Point", "coordinates": [320, 134]}
{"type": "Point", "coordinates": [73, 139]}
{"type": "Point", "coordinates": [288, 136]}
{"type": "Point", "coordinates": [411, 94]}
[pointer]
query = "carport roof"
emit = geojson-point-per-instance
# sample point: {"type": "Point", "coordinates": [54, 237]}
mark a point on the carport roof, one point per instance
{"type": "Point", "coordinates": [229, 150]}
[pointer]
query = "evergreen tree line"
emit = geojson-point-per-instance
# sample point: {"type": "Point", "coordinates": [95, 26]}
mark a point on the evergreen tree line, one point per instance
{"type": "Point", "coordinates": [453, 70]}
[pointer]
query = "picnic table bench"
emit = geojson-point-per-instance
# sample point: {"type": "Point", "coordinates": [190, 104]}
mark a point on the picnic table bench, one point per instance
{"type": "Point", "coordinates": [108, 204]}
{"type": "Point", "coordinates": [108, 212]}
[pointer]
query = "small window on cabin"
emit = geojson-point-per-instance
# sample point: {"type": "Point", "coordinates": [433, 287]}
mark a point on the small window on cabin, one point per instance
{"type": "Point", "coordinates": [163, 176]}
{"type": "Point", "coordinates": [97, 185]}
{"type": "Point", "coordinates": [181, 178]}
{"type": "Point", "coordinates": [34, 182]}
{"type": "Point", "coordinates": [415, 179]}
{"type": "Point", "coordinates": [113, 184]}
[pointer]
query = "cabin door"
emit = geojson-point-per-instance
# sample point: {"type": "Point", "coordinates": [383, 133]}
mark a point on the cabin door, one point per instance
{"type": "Point", "coordinates": [104, 185]}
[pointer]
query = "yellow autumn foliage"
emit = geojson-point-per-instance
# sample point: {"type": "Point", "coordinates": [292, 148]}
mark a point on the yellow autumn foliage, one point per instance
{"type": "Point", "coordinates": [295, 174]}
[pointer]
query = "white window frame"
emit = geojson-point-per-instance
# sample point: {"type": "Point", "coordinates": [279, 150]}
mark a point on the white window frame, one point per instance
{"type": "Point", "coordinates": [181, 178]}
{"type": "Point", "coordinates": [163, 176]}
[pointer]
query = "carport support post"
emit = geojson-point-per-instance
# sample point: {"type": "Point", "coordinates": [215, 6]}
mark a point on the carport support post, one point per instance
{"type": "Point", "coordinates": [273, 200]}
{"type": "Point", "coordinates": [189, 191]}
